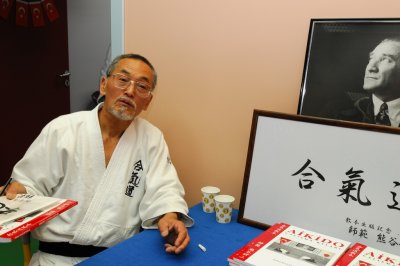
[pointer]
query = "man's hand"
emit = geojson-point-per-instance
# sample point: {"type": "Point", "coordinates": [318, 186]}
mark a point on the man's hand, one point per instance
{"type": "Point", "coordinates": [174, 231]}
{"type": "Point", "coordinates": [13, 189]}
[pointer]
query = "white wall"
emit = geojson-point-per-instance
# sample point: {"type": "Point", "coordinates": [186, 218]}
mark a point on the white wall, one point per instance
{"type": "Point", "coordinates": [89, 36]}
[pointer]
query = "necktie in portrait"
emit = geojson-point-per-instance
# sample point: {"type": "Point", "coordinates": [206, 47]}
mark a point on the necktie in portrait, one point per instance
{"type": "Point", "coordinates": [382, 118]}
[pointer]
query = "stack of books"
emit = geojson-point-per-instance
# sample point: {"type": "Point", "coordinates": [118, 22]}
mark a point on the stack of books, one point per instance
{"type": "Point", "coordinates": [362, 255]}
{"type": "Point", "coordinates": [284, 244]}
{"type": "Point", "coordinates": [27, 212]}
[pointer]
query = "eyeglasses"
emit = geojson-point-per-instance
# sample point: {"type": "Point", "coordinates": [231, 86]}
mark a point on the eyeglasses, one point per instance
{"type": "Point", "coordinates": [123, 82]}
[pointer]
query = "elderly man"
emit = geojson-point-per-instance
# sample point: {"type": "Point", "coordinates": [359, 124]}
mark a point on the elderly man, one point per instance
{"type": "Point", "coordinates": [115, 164]}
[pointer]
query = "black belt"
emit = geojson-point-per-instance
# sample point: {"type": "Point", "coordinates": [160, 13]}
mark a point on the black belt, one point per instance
{"type": "Point", "coordinates": [69, 250]}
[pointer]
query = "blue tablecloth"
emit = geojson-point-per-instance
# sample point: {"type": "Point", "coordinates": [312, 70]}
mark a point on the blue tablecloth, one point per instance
{"type": "Point", "coordinates": [147, 248]}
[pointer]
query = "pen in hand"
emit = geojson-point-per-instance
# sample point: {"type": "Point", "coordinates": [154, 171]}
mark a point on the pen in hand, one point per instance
{"type": "Point", "coordinates": [5, 186]}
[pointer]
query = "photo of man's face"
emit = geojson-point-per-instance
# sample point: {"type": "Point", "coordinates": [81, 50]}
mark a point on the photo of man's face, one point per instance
{"type": "Point", "coordinates": [352, 71]}
{"type": "Point", "coordinates": [382, 73]}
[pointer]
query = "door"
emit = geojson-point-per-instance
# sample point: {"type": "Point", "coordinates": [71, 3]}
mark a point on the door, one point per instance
{"type": "Point", "coordinates": [31, 62]}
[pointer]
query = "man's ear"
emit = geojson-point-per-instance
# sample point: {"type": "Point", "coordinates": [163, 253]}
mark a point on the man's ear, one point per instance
{"type": "Point", "coordinates": [148, 102]}
{"type": "Point", "coordinates": [103, 85]}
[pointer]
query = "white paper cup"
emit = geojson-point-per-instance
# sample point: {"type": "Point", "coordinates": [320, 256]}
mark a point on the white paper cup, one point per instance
{"type": "Point", "coordinates": [223, 208]}
{"type": "Point", "coordinates": [208, 198]}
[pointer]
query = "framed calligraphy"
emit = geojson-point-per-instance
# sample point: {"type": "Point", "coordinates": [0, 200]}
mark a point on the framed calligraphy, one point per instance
{"type": "Point", "coordinates": [335, 177]}
{"type": "Point", "coordinates": [343, 62]}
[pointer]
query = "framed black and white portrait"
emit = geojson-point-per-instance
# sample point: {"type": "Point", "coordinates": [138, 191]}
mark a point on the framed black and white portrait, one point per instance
{"type": "Point", "coordinates": [352, 70]}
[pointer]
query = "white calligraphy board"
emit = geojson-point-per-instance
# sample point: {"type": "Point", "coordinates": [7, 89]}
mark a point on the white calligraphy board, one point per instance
{"type": "Point", "coordinates": [357, 166]}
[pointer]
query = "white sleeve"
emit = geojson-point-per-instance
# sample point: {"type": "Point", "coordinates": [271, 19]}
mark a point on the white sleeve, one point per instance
{"type": "Point", "coordinates": [164, 191]}
{"type": "Point", "coordinates": [152, 222]}
{"type": "Point", "coordinates": [40, 169]}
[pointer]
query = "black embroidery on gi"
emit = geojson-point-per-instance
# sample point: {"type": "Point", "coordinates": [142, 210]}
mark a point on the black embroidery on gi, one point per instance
{"type": "Point", "coordinates": [135, 178]}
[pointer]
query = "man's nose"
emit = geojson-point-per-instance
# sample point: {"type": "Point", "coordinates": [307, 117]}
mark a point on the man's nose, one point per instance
{"type": "Point", "coordinates": [372, 66]}
{"type": "Point", "coordinates": [130, 90]}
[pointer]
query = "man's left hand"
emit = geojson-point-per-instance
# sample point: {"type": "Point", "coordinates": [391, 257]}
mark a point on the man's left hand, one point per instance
{"type": "Point", "coordinates": [170, 226]}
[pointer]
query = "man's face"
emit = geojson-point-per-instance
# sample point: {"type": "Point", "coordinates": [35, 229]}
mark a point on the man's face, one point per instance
{"type": "Point", "coordinates": [382, 74]}
{"type": "Point", "coordinates": [126, 104]}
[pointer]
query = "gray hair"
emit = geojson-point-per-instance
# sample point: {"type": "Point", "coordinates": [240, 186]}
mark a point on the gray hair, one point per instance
{"type": "Point", "coordinates": [392, 39]}
{"type": "Point", "coordinates": [116, 60]}
{"type": "Point", "coordinates": [395, 39]}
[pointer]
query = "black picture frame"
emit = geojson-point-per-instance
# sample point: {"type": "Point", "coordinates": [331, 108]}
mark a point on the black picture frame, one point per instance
{"type": "Point", "coordinates": [335, 62]}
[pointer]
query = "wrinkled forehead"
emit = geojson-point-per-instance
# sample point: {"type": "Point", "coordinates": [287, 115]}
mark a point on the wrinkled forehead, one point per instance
{"type": "Point", "coordinates": [388, 47]}
{"type": "Point", "coordinates": [134, 68]}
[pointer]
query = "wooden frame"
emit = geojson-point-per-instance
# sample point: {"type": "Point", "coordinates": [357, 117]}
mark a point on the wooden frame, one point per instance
{"type": "Point", "coordinates": [336, 59]}
{"type": "Point", "coordinates": [299, 170]}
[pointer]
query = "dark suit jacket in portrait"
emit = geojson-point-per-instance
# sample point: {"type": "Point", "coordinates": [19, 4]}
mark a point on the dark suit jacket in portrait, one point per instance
{"type": "Point", "coordinates": [360, 109]}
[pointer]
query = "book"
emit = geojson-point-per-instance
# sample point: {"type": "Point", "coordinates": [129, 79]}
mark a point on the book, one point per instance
{"type": "Point", "coordinates": [22, 205]}
{"type": "Point", "coordinates": [27, 212]}
{"type": "Point", "coordinates": [362, 255]}
{"type": "Point", "coordinates": [284, 244]}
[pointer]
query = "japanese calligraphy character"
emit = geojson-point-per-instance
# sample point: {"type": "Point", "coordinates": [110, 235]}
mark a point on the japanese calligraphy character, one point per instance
{"type": "Point", "coordinates": [363, 233]}
{"type": "Point", "coordinates": [138, 166]}
{"type": "Point", "coordinates": [394, 206]}
{"type": "Point", "coordinates": [364, 224]}
{"type": "Point", "coordinates": [350, 185]}
{"type": "Point", "coordinates": [307, 174]}
{"type": "Point", "coordinates": [129, 190]}
{"type": "Point", "coordinates": [381, 238]}
{"type": "Point", "coordinates": [134, 180]}
{"type": "Point", "coordinates": [393, 241]}
{"type": "Point", "coordinates": [6, 210]}
{"type": "Point", "coordinates": [372, 226]}
{"type": "Point", "coordinates": [353, 230]}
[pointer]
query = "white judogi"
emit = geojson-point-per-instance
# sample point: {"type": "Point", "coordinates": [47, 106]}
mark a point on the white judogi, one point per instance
{"type": "Point", "coordinates": [139, 184]}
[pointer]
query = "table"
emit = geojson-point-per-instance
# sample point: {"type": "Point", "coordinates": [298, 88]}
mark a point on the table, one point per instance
{"type": "Point", "coordinates": [147, 247]}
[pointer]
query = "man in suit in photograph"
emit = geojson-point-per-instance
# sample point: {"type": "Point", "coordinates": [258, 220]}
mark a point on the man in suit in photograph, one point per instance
{"type": "Point", "coordinates": [381, 104]}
